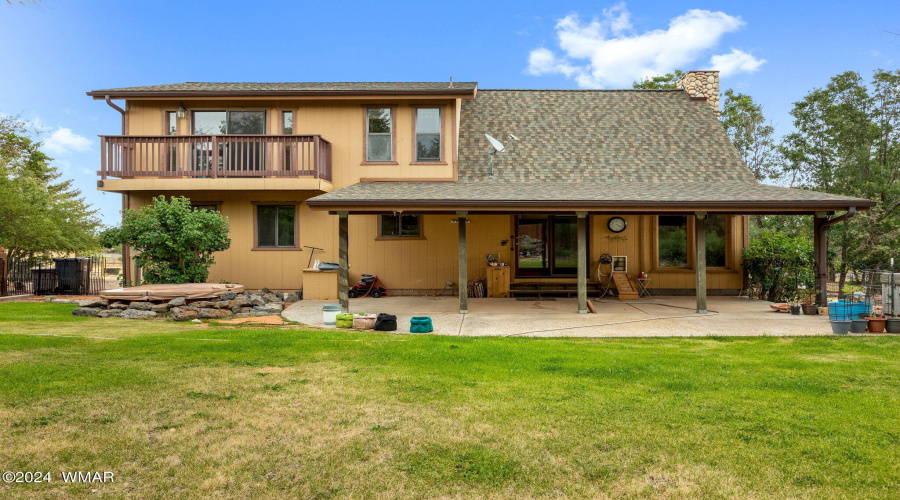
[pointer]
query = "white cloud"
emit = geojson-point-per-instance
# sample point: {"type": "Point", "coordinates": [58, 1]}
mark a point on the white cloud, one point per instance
{"type": "Point", "coordinates": [611, 54]}
{"type": "Point", "coordinates": [736, 61]}
{"type": "Point", "coordinates": [63, 140]}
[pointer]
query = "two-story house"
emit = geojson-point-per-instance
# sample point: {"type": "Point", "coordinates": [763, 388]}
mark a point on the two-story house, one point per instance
{"type": "Point", "coordinates": [398, 180]}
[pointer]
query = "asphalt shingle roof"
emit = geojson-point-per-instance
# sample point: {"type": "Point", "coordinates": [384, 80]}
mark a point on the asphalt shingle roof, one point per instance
{"type": "Point", "coordinates": [291, 87]}
{"type": "Point", "coordinates": [578, 136]}
{"type": "Point", "coordinates": [602, 147]}
{"type": "Point", "coordinates": [548, 192]}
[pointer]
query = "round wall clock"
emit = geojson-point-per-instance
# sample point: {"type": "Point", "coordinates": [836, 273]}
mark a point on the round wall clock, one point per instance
{"type": "Point", "coordinates": [616, 224]}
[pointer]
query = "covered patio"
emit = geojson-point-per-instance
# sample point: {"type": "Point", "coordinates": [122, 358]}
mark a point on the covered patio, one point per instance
{"type": "Point", "coordinates": [585, 156]}
{"type": "Point", "coordinates": [651, 317]}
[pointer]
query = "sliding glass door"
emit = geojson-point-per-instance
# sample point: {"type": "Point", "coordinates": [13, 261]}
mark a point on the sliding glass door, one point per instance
{"type": "Point", "coordinates": [236, 155]}
{"type": "Point", "coordinates": [546, 245]}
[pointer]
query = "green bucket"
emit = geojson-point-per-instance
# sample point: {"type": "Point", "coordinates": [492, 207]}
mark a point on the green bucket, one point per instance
{"type": "Point", "coordinates": [420, 324]}
{"type": "Point", "coordinates": [344, 320]}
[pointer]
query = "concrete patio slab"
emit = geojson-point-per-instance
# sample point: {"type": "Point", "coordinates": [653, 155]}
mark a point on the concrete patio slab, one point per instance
{"type": "Point", "coordinates": [650, 317]}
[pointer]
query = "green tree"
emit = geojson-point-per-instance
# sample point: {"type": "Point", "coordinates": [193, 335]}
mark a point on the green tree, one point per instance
{"type": "Point", "coordinates": [753, 137]}
{"type": "Point", "coordinates": [847, 142]}
{"type": "Point", "coordinates": [175, 241]}
{"type": "Point", "coordinates": [660, 82]}
{"type": "Point", "coordinates": [41, 214]}
{"type": "Point", "coordinates": [777, 264]}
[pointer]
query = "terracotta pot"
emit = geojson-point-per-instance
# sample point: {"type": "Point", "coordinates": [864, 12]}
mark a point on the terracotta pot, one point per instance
{"type": "Point", "coordinates": [876, 325]}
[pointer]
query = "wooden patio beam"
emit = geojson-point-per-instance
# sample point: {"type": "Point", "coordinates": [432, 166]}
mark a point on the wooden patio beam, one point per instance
{"type": "Point", "coordinates": [343, 262]}
{"type": "Point", "coordinates": [700, 267]}
{"type": "Point", "coordinates": [582, 264]}
{"type": "Point", "coordinates": [463, 265]}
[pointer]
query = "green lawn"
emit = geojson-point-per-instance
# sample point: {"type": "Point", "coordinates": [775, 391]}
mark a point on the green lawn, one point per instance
{"type": "Point", "coordinates": [312, 414]}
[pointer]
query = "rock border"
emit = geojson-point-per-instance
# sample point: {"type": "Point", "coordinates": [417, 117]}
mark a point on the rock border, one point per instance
{"type": "Point", "coordinates": [223, 306]}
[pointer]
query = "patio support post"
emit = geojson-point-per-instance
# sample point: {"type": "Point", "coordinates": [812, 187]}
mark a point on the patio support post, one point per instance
{"type": "Point", "coordinates": [343, 265]}
{"type": "Point", "coordinates": [820, 253]}
{"type": "Point", "coordinates": [700, 264]}
{"type": "Point", "coordinates": [463, 267]}
{"type": "Point", "coordinates": [582, 262]}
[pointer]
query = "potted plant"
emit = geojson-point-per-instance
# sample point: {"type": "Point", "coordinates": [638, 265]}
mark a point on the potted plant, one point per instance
{"type": "Point", "coordinates": [794, 302]}
{"type": "Point", "coordinates": [876, 324]}
{"type": "Point", "coordinates": [856, 309]}
{"type": "Point", "coordinates": [809, 304]}
{"type": "Point", "coordinates": [892, 325]}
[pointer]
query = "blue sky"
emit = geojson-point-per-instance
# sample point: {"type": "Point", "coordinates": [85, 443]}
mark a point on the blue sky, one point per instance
{"type": "Point", "coordinates": [53, 52]}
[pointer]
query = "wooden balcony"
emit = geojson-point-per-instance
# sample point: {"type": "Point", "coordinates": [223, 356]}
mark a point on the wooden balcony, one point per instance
{"type": "Point", "coordinates": [215, 156]}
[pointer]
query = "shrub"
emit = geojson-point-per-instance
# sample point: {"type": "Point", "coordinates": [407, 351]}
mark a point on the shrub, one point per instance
{"type": "Point", "coordinates": [176, 242]}
{"type": "Point", "coordinates": [777, 263]}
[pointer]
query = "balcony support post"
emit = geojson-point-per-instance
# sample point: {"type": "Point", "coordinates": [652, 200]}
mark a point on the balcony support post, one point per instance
{"type": "Point", "coordinates": [215, 158]}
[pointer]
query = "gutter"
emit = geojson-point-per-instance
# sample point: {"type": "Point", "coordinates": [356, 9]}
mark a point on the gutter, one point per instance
{"type": "Point", "coordinates": [803, 206]}
{"type": "Point", "coordinates": [276, 93]}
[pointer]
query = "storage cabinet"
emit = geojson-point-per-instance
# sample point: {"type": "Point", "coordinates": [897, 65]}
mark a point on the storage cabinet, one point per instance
{"type": "Point", "coordinates": [320, 285]}
{"type": "Point", "coordinates": [498, 281]}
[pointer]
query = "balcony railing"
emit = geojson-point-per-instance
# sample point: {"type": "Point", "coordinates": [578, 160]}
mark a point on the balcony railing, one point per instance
{"type": "Point", "coordinates": [212, 156]}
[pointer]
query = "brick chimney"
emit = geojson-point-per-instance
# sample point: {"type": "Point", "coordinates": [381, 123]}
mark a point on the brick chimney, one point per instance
{"type": "Point", "coordinates": [702, 85]}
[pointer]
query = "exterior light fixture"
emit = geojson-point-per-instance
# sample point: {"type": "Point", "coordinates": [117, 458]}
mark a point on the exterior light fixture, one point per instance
{"type": "Point", "coordinates": [181, 111]}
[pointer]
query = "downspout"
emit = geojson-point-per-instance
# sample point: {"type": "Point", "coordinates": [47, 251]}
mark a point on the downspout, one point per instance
{"type": "Point", "coordinates": [126, 204]}
{"type": "Point", "coordinates": [850, 213]}
{"type": "Point", "coordinates": [119, 109]}
{"type": "Point", "coordinates": [821, 252]}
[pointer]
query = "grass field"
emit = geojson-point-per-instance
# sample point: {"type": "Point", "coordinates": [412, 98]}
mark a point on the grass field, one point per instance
{"type": "Point", "coordinates": [261, 413]}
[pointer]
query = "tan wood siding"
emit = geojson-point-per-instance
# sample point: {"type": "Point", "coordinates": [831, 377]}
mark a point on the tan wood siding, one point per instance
{"type": "Point", "coordinates": [421, 264]}
{"type": "Point", "coordinates": [418, 264]}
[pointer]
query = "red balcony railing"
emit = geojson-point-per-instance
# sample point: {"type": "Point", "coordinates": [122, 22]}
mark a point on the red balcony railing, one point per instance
{"type": "Point", "coordinates": [212, 156]}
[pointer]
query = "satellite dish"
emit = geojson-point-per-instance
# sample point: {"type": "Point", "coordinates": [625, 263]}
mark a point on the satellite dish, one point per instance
{"type": "Point", "coordinates": [496, 144]}
{"type": "Point", "coordinates": [498, 147]}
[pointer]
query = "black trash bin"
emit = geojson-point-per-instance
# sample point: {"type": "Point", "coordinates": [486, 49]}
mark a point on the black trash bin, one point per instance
{"type": "Point", "coordinates": [43, 280]}
{"type": "Point", "coordinates": [73, 275]}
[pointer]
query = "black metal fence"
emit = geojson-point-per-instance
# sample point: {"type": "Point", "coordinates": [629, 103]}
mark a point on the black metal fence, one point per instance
{"type": "Point", "coordinates": [64, 276]}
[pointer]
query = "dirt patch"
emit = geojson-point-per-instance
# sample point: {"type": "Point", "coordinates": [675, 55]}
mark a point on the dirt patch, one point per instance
{"type": "Point", "coordinates": [259, 320]}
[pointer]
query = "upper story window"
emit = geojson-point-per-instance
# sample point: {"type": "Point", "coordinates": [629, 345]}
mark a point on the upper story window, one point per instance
{"type": "Point", "coordinates": [379, 134]}
{"type": "Point", "coordinates": [428, 134]}
{"type": "Point", "coordinates": [228, 122]}
{"type": "Point", "coordinates": [287, 127]}
{"type": "Point", "coordinates": [171, 123]}
{"type": "Point", "coordinates": [287, 122]}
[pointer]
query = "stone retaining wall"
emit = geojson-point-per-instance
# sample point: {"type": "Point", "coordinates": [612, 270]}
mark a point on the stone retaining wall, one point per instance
{"type": "Point", "coordinates": [227, 305]}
